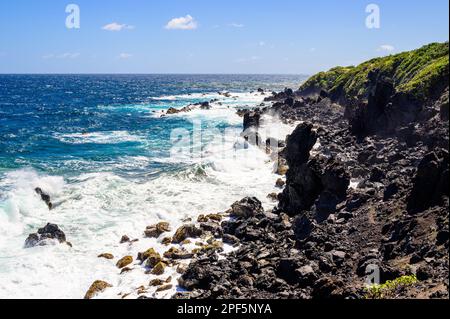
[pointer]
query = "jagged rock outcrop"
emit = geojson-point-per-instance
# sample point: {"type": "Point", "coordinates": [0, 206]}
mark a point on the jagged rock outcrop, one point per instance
{"type": "Point", "coordinates": [431, 182]}
{"type": "Point", "coordinates": [286, 94]}
{"type": "Point", "coordinates": [45, 197]}
{"type": "Point", "coordinates": [316, 181]}
{"type": "Point", "coordinates": [46, 235]}
{"type": "Point", "coordinates": [247, 207]}
{"type": "Point", "coordinates": [252, 120]}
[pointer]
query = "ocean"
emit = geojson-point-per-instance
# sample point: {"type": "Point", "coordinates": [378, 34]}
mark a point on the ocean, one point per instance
{"type": "Point", "coordinates": [102, 148]}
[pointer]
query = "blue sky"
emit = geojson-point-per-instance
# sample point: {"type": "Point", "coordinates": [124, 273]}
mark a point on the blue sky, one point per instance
{"type": "Point", "coordinates": [223, 36]}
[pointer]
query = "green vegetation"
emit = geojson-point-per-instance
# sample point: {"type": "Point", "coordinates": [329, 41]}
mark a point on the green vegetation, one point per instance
{"type": "Point", "coordinates": [326, 80]}
{"type": "Point", "coordinates": [391, 288]}
{"type": "Point", "coordinates": [415, 72]}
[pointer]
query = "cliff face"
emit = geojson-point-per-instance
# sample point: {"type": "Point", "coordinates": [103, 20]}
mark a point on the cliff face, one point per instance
{"type": "Point", "coordinates": [383, 93]}
{"type": "Point", "coordinates": [392, 141]}
{"type": "Point", "coordinates": [366, 193]}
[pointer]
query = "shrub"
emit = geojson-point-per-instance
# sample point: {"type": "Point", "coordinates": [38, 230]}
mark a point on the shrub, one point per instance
{"type": "Point", "coordinates": [390, 289]}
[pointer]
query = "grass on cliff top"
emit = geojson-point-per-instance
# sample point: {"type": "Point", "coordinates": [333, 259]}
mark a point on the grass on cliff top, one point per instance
{"type": "Point", "coordinates": [414, 72]}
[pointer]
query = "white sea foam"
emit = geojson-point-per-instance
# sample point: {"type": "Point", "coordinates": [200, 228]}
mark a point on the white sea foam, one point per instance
{"type": "Point", "coordinates": [96, 209]}
{"type": "Point", "coordinates": [21, 205]}
{"type": "Point", "coordinates": [222, 106]}
{"type": "Point", "coordinates": [112, 137]}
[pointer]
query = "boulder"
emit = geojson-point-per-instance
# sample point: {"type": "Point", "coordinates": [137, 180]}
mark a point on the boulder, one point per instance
{"type": "Point", "coordinates": [164, 288]}
{"type": "Point", "coordinates": [159, 269]}
{"type": "Point", "coordinates": [306, 275]}
{"type": "Point", "coordinates": [166, 241]}
{"type": "Point", "coordinates": [106, 256]}
{"type": "Point", "coordinates": [431, 181]}
{"type": "Point", "coordinates": [280, 183]}
{"type": "Point", "coordinates": [172, 110]}
{"type": "Point", "coordinates": [289, 102]}
{"type": "Point", "coordinates": [156, 283]}
{"type": "Point", "coordinates": [252, 120]}
{"type": "Point", "coordinates": [176, 253]}
{"type": "Point", "coordinates": [125, 270]}
{"type": "Point", "coordinates": [303, 187]}
{"type": "Point", "coordinates": [45, 235]}
{"type": "Point", "coordinates": [205, 106]}
{"type": "Point", "coordinates": [299, 144]}
{"type": "Point", "coordinates": [286, 269]}
{"type": "Point", "coordinates": [303, 227]}
{"type": "Point", "coordinates": [181, 269]}
{"type": "Point", "coordinates": [186, 231]}
{"type": "Point", "coordinates": [157, 230]}
{"type": "Point", "coordinates": [273, 197]}
{"type": "Point", "coordinates": [281, 95]}
{"type": "Point", "coordinates": [326, 288]}
{"type": "Point", "coordinates": [45, 197]}
{"type": "Point", "coordinates": [125, 239]}
{"type": "Point", "coordinates": [150, 256]}
{"type": "Point", "coordinates": [288, 92]}
{"type": "Point", "coordinates": [444, 111]}
{"type": "Point", "coordinates": [282, 167]}
{"type": "Point", "coordinates": [246, 208]}
{"type": "Point", "coordinates": [338, 256]}
{"type": "Point", "coordinates": [97, 287]}
{"type": "Point", "coordinates": [308, 182]}
{"type": "Point", "coordinates": [230, 239]}
{"type": "Point", "coordinates": [210, 217]}
{"type": "Point", "coordinates": [335, 182]}
{"type": "Point", "coordinates": [125, 261]}
{"type": "Point", "coordinates": [299, 104]}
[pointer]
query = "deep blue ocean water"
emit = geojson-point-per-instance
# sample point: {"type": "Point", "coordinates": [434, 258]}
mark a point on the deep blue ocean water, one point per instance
{"type": "Point", "coordinates": [37, 109]}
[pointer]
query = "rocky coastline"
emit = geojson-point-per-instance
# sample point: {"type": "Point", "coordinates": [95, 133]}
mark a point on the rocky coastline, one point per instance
{"type": "Point", "coordinates": [364, 198]}
{"type": "Point", "coordinates": [371, 200]}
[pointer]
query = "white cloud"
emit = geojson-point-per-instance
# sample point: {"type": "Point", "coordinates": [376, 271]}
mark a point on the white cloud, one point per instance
{"type": "Point", "coordinates": [252, 59]}
{"type": "Point", "coordinates": [125, 56]}
{"type": "Point", "coordinates": [386, 48]}
{"type": "Point", "coordinates": [262, 43]}
{"type": "Point", "coordinates": [117, 27]}
{"type": "Point", "coordinates": [67, 55]}
{"type": "Point", "coordinates": [236, 25]}
{"type": "Point", "coordinates": [182, 23]}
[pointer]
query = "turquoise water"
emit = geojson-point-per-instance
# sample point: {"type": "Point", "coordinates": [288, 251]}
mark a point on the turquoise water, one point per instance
{"type": "Point", "coordinates": [99, 145]}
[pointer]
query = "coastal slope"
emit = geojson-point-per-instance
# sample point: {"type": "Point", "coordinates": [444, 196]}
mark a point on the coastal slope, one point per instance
{"type": "Point", "coordinates": [363, 211]}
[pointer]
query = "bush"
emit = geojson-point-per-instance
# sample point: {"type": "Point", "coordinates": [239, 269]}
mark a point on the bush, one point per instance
{"type": "Point", "coordinates": [391, 288]}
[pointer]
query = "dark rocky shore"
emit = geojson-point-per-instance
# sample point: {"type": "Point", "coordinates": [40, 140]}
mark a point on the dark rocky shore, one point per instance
{"type": "Point", "coordinates": [363, 210]}
{"type": "Point", "coordinates": [325, 238]}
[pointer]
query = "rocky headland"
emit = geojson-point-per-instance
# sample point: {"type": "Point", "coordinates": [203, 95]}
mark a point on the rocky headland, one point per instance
{"type": "Point", "coordinates": [366, 195]}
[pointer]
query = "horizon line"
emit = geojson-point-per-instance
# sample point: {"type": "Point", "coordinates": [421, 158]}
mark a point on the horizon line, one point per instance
{"type": "Point", "coordinates": [168, 73]}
